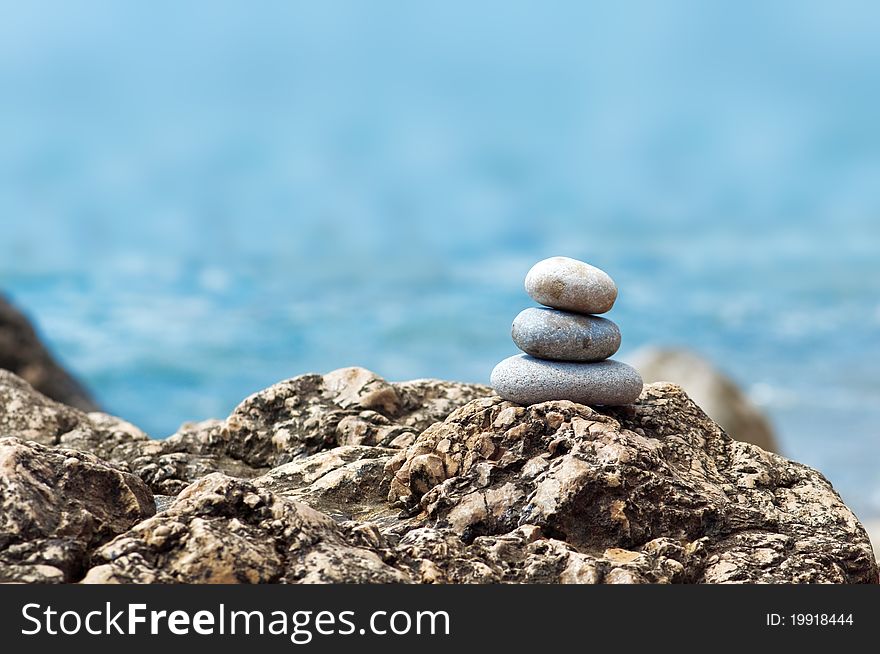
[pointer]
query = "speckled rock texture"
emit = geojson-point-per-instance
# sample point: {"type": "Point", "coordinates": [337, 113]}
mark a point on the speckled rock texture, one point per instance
{"type": "Point", "coordinates": [223, 530]}
{"type": "Point", "coordinates": [562, 336]}
{"type": "Point", "coordinates": [30, 415]}
{"type": "Point", "coordinates": [293, 418]}
{"type": "Point", "coordinates": [526, 380]}
{"type": "Point", "coordinates": [302, 416]}
{"type": "Point", "coordinates": [56, 506]}
{"type": "Point", "coordinates": [33, 416]}
{"type": "Point", "coordinates": [346, 482]}
{"type": "Point", "coordinates": [571, 285]}
{"type": "Point", "coordinates": [651, 492]}
{"type": "Point", "coordinates": [348, 478]}
{"type": "Point", "coordinates": [23, 353]}
{"type": "Point", "coordinates": [716, 393]}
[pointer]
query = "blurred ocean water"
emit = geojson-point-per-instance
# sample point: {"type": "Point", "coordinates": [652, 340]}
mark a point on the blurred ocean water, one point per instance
{"type": "Point", "coordinates": [199, 200]}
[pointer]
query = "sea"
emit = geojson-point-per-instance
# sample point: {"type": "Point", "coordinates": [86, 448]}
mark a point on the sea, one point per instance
{"type": "Point", "coordinates": [200, 199]}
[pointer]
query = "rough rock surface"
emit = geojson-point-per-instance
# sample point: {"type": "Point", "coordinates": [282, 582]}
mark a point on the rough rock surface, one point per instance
{"type": "Point", "coordinates": [294, 418]}
{"type": "Point", "coordinates": [27, 414]}
{"type": "Point", "coordinates": [224, 530]}
{"type": "Point", "coordinates": [22, 353]}
{"type": "Point", "coordinates": [657, 476]}
{"type": "Point", "coordinates": [308, 414]}
{"type": "Point", "coordinates": [346, 482]}
{"type": "Point", "coordinates": [715, 393]}
{"type": "Point", "coordinates": [347, 477]}
{"type": "Point", "coordinates": [56, 506]}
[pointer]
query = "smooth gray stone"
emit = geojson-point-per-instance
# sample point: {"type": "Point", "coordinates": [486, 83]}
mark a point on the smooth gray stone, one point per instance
{"type": "Point", "coordinates": [571, 285]}
{"type": "Point", "coordinates": [526, 380]}
{"type": "Point", "coordinates": [563, 336]}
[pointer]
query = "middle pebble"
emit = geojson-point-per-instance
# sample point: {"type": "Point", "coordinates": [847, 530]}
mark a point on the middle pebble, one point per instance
{"type": "Point", "coordinates": [563, 336]}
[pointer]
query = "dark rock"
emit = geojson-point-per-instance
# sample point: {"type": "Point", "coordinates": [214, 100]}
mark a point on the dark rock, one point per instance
{"type": "Point", "coordinates": [56, 506]}
{"type": "Point", "coordinates": [23, 353]}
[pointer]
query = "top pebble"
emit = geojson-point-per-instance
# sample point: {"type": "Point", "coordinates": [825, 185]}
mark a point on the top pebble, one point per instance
{"type": "Point", "coordinates": [571, 285]}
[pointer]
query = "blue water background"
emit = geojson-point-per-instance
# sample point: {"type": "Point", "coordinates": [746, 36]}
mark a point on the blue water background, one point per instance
{"type": "Point", "coordinates": [199, 199]}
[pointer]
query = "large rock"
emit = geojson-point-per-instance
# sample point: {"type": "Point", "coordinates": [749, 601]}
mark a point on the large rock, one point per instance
{"type": "Point", "coordinates": [56, 506]}
{"type": "Point", "coordinates": [303, 416]}
{"type": "Point", "coordinates": [30, 415]}
{"type": "Point", "coordinates": [223, 530]}
{"type": "Point", "coordinates": [716, 393]}
{"type": "Point", "coordinates": [296, 418]}
{"type": "Point", "coordinates": [656, 477]}
{"type": "Point", "coordinates": [23, 353]}
{"type": "Point", "coordinates": [292, 419]}
{"type": "Point", "coordinates": [348, 478]}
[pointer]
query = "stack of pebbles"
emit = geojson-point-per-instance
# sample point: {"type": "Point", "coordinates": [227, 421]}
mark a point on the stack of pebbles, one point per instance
{"type": "Point", "coordinates": [566, 345]}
